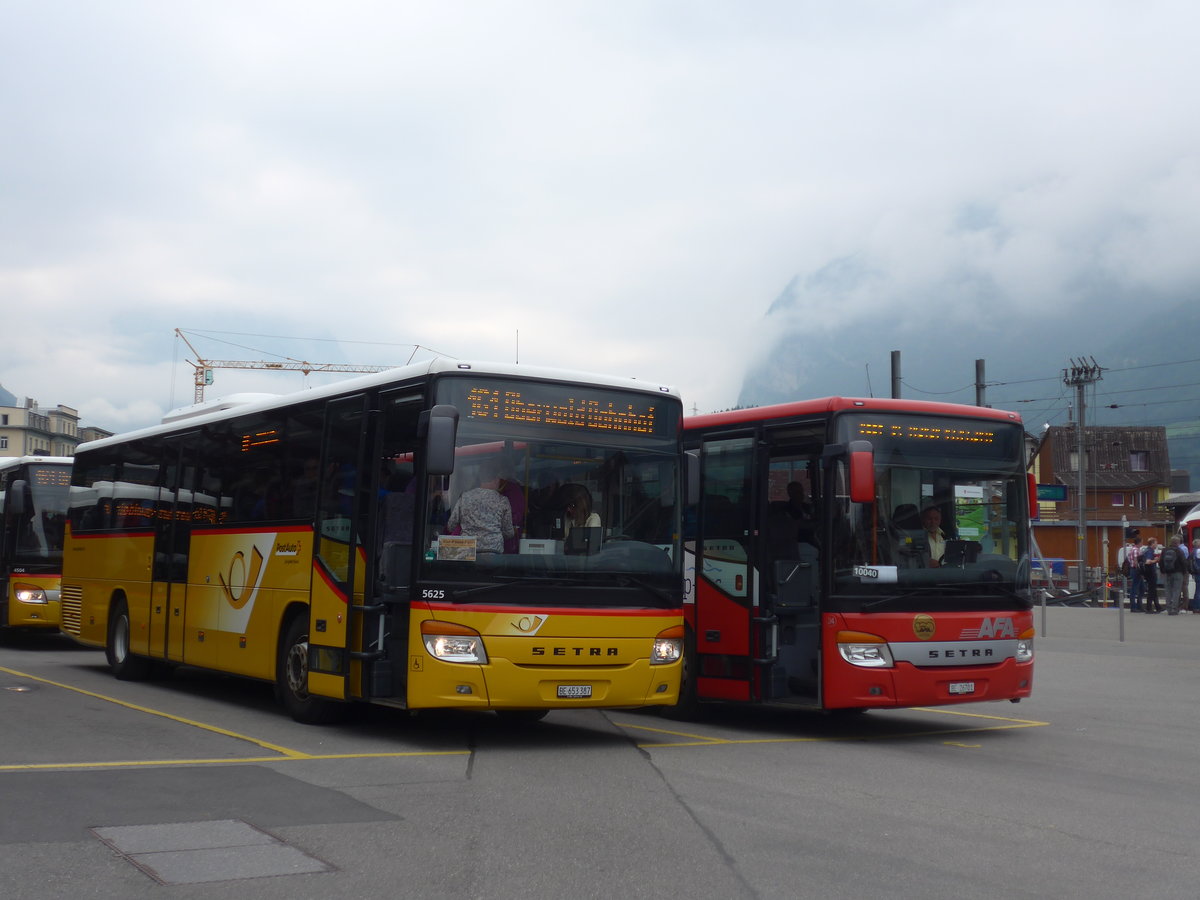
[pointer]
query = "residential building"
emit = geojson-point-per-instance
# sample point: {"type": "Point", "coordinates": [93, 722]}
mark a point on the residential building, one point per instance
{"type": "Point", "coordinates": [27, 429]}
{"type": "Point", "coordinates": [1126, 479]}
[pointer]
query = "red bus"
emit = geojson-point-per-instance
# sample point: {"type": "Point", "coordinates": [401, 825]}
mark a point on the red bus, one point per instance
{"type": "Point", "coordinates": [811, 579]}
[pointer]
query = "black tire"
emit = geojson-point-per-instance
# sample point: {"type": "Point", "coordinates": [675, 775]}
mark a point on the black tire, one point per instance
{"type": "Point", "coordinates": [688, 707]}
{"type": "Point", "coordinates": [124, 664]}
{"type": "Point", "coordinates": [291, 678]}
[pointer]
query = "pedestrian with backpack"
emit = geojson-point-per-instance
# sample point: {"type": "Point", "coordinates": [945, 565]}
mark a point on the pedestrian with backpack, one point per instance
{"type": "Point", "coordinates": [1131, 571]}
{"type": "Point", "coordinates": [1131, 568]}
{"type": "Point", "coordinates": [1194, 565]}
{"type": "Point", "coordinates": [1172, 565]}
{"type": "Point", "coordinates": [1149, 566]}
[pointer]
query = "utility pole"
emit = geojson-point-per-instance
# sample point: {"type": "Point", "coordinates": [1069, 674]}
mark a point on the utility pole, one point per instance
{"type": "Point", "coordinates": [1082, 373]}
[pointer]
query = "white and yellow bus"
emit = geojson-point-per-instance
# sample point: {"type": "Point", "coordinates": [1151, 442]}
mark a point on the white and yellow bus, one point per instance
{"type": "Point", "coordinates": [33, 513]}
{"type": "Point", "coordinates": [306, 540]}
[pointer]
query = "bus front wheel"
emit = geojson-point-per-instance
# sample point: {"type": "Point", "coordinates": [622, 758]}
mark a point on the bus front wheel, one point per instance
{"type": "Point", "coordinates": [688, 707]}
{"type": "Point", "coordinates": [291, 678]}
{"type": "Point", "coordinates": [124, 664]}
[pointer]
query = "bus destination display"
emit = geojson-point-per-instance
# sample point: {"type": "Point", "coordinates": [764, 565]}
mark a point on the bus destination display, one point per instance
{"type": "Point", "coordinates": [56, 476]}
{"type": "Point", "coordinates": [564, 407]}
{"type": "Point", "coordinates": [927, 433]}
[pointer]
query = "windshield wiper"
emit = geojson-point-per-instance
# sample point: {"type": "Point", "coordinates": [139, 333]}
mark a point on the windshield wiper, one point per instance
{"type": "Point", "coordinates": [913, 592]}
{"type": "Point", "coordinates": [503, 583]}
{"type": "Point", "coordinates": [664, 597]}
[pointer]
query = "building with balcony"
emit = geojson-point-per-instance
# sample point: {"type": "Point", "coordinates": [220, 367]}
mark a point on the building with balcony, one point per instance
{"type": "Point", "coordinates": [1126, 480]}
{"type": "Point", "coordinates": [28, 429]}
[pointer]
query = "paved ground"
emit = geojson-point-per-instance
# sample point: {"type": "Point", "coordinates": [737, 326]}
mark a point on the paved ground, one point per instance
{"type": "Point", "coordinates": [196, 786]}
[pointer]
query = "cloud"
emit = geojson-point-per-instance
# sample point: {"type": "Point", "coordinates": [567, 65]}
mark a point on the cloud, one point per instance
{"type": "Point", "coordinates": [627, 186]}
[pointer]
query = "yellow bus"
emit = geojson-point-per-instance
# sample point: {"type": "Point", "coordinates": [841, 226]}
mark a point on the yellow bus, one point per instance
{"type": "Point", "coordinates": [321, 541]}
{"type": "Point", "coordinates": [33, 513]}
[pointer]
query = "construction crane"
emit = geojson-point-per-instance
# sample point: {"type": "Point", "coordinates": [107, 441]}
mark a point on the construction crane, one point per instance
{"type": "Point", "coordinates": [204, 367]}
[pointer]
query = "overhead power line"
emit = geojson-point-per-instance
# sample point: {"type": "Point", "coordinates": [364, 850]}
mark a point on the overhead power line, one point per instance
{"type": "Point", "coordinates": [203, 366]}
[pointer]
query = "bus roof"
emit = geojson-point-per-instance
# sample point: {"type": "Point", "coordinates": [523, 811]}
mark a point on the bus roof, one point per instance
{"type": "Point", "coordinates": [836, 404]}
{"type": "Point", "coordinates": [228, 408]}
{"type": "Point", "coordinates": [12, 461]}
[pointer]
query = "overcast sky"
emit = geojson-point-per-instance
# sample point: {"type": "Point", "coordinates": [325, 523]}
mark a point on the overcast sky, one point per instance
{"type": "Point", "coordinates": [618, 186]}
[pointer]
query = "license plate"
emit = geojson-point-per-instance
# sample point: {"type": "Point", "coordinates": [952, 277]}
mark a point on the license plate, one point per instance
{"type": "Point", "coordinates": [962, 687]}
{"type": "Point", "coordinates": [574, 690]}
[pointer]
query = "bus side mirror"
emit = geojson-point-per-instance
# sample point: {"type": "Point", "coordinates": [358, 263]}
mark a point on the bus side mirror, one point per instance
{"type": "Point", "coordinates": [691, 475]}
{"type": "Point", "coordinates": [862, 472]}
{"type": "Point", "coordinates": [439, 427]}
{"type": "Point", "coordinates": [18, 498]}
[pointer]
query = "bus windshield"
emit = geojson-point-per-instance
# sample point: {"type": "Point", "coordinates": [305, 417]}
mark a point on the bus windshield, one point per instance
{"type": "Point", "coordinates": [38, 530]}
{"type": "Point", "coordinates": [553, 490]}
{"type": "Point", "coordinates": [949, 525]}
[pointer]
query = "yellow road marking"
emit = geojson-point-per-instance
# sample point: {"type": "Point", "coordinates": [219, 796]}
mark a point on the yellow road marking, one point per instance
{"type": "Point", "coordinates": [974, 715]}
{"type": "Point", "coordinates": [224, 760]}
{"type": "Point", "coordinates": [285, 753]}
{"type": "Point", "coordinates": [288, 754]}
{"type": "Point", "coordinates": [703, 738]}
{"type": "Point", "coordinates": [700, 740]}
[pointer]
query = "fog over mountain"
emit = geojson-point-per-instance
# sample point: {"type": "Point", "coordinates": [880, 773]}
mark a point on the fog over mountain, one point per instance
{"type": "Point", "coordinates": [815, 348]}
{"type": "Point", "coordinates": [1085, 294]}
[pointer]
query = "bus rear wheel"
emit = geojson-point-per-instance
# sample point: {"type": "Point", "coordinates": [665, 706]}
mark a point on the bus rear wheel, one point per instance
{"type": "Point", "coordinates": [124, 664]}
{"type": "Point", "coordinates": [291, 678]}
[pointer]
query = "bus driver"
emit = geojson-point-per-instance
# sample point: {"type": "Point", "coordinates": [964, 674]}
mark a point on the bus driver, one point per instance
{"type": "Point", "coordinates": [931, 521]}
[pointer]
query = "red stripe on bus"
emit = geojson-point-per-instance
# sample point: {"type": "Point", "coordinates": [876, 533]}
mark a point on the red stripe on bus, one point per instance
{"type": "Point", "coordinates": [555, 610]}
{"type": "Point", "coordinates": [264, 529]}
{"type": "Point", "coordinates": [112, 534]}
{"type": "Point", "coordinates": [329, 582]}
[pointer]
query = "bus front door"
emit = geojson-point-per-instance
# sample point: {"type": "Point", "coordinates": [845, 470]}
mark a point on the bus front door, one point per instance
{"type": "Point", "coordinates": [393, 562]}
{"type": "Point", "coordinates": [172, 535]}
{"type": "Point", "coordinates": [725, 632]}
{"type": "Point", "coordinates": [790, 570]}
{"type": "Point", "coordinates": [334, 629]}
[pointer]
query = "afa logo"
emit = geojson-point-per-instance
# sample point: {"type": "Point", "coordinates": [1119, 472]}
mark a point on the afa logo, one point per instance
{"type": "Point", "coordinates": [991, 629]}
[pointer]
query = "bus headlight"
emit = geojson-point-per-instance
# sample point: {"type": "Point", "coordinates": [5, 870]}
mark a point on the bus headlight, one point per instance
{"type": "Point", "coordinates": [29, 593]}
{"type": "Point", "coordinates": [1025, 646]}
{"type": "Point", "coordinates": [449, 642]}
{"type": "Point", "coordinates": [668, 646]}
{"type": "Point", "coordinates": [862, 649]}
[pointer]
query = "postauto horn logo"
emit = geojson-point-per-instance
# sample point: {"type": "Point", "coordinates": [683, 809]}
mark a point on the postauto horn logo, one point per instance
{"type": "Point", "coordinates": [242, 581]}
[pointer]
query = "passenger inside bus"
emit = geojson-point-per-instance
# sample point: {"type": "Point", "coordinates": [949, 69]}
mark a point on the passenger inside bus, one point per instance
{"type": "Point", "coordinates": [512, 491]}
{"type": "Point", "coordinates": [802, 513]}
{"type": "Point", "coordinates": [576, 502]}
{"type": "Point", "coordinates": [581, 524]}
{"type": "Point", "coordinates": [483, 512]}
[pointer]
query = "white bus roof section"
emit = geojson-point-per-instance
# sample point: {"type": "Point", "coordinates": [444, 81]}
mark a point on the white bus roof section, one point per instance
{"type": "Point", "coordinates": [226, 408]}
{"type": "Point", "coordinates": [218, 405]}
{"type": "Point", "coordinates": [10, 462]}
